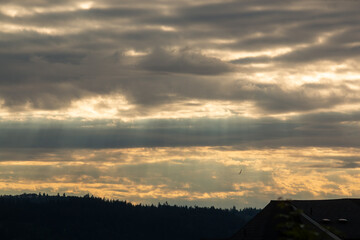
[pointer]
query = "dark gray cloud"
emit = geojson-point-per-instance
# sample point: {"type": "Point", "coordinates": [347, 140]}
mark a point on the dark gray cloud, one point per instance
{"type": "Point", "coordinates": [183, 61]}
{"type": "Point", "coordinates": [325, 53]}
{"type": "Point", "coordinates": [337, 162]}
{"type": "Point", "coordinates": [267, 97]}
{"type": "Point", "coordinates": [52, 57]}
{"type": "Point", "coordinates": [323, 130]}
{"type": "Point", "coordinates": [75, 75]}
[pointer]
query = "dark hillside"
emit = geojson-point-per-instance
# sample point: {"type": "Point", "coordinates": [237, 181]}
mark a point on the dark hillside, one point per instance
{"type": "Point", "coordinates": [33, 216]}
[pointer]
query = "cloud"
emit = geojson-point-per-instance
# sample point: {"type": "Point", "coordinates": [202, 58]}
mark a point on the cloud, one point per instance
{"type": "Point", "coordinates": [318, 53]}
{"type": "Point", "coordinates": [165, 101]}
{"type": "Point", "coordinates": [323, 130]}
{"type": "Point", "coordinates": [56, 53]}
{"type": "Point", "coordinates": [183, 61]}
{"type": "Point", "coordinates": [191, 175]}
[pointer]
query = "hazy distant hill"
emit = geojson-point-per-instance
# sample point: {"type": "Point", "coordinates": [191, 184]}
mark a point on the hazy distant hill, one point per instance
{"type": "Point", "coordinates": [33, 216]}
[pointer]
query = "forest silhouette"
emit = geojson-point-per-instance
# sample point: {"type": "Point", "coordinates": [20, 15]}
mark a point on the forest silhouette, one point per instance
{"type": "Point", "coordinates": [40, 216]}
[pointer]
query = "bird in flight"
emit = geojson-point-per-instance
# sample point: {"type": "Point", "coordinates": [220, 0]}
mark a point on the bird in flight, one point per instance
{"type": "Point", "coordinates": [240, 172]}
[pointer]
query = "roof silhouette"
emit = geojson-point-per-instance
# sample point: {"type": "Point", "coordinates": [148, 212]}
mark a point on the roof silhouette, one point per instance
{"type": "Point", "coordinates": [324, 219]}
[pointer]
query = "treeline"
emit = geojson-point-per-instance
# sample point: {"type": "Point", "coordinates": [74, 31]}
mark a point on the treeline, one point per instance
{"type": "Point", "coordinates": [40, 216]}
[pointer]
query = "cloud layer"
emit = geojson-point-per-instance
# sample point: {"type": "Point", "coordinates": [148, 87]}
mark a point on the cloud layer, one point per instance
{"type": "Point", "coordinates": [160, 52]}
{"type": "Point", "coordinates": [196, 175]}
{"type": "Point", "coordinates": [162, 100]}
{"type": "Point", "coordinates": [330, 129]}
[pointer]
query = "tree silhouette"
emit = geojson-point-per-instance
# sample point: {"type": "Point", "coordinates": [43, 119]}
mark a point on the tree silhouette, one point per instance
{"type": "Point", "coordinates": [40, 216]}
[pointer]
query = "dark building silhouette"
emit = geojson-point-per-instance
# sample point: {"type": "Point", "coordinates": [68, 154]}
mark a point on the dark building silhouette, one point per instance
{"type": "Point", "coordinates": [337, 219]}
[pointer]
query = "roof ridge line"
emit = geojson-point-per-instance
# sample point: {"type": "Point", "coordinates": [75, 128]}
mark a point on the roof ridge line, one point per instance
{"type": "Point", "coordinates": [330, 234]}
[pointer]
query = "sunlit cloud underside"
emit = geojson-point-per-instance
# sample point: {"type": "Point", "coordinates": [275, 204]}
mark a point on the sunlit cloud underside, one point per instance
{"type": "Point", "coordinates": [195, 175]}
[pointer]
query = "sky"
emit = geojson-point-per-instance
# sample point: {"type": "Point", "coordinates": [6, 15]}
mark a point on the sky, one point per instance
{"type": "Point", "coordinates": [156, 100]}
